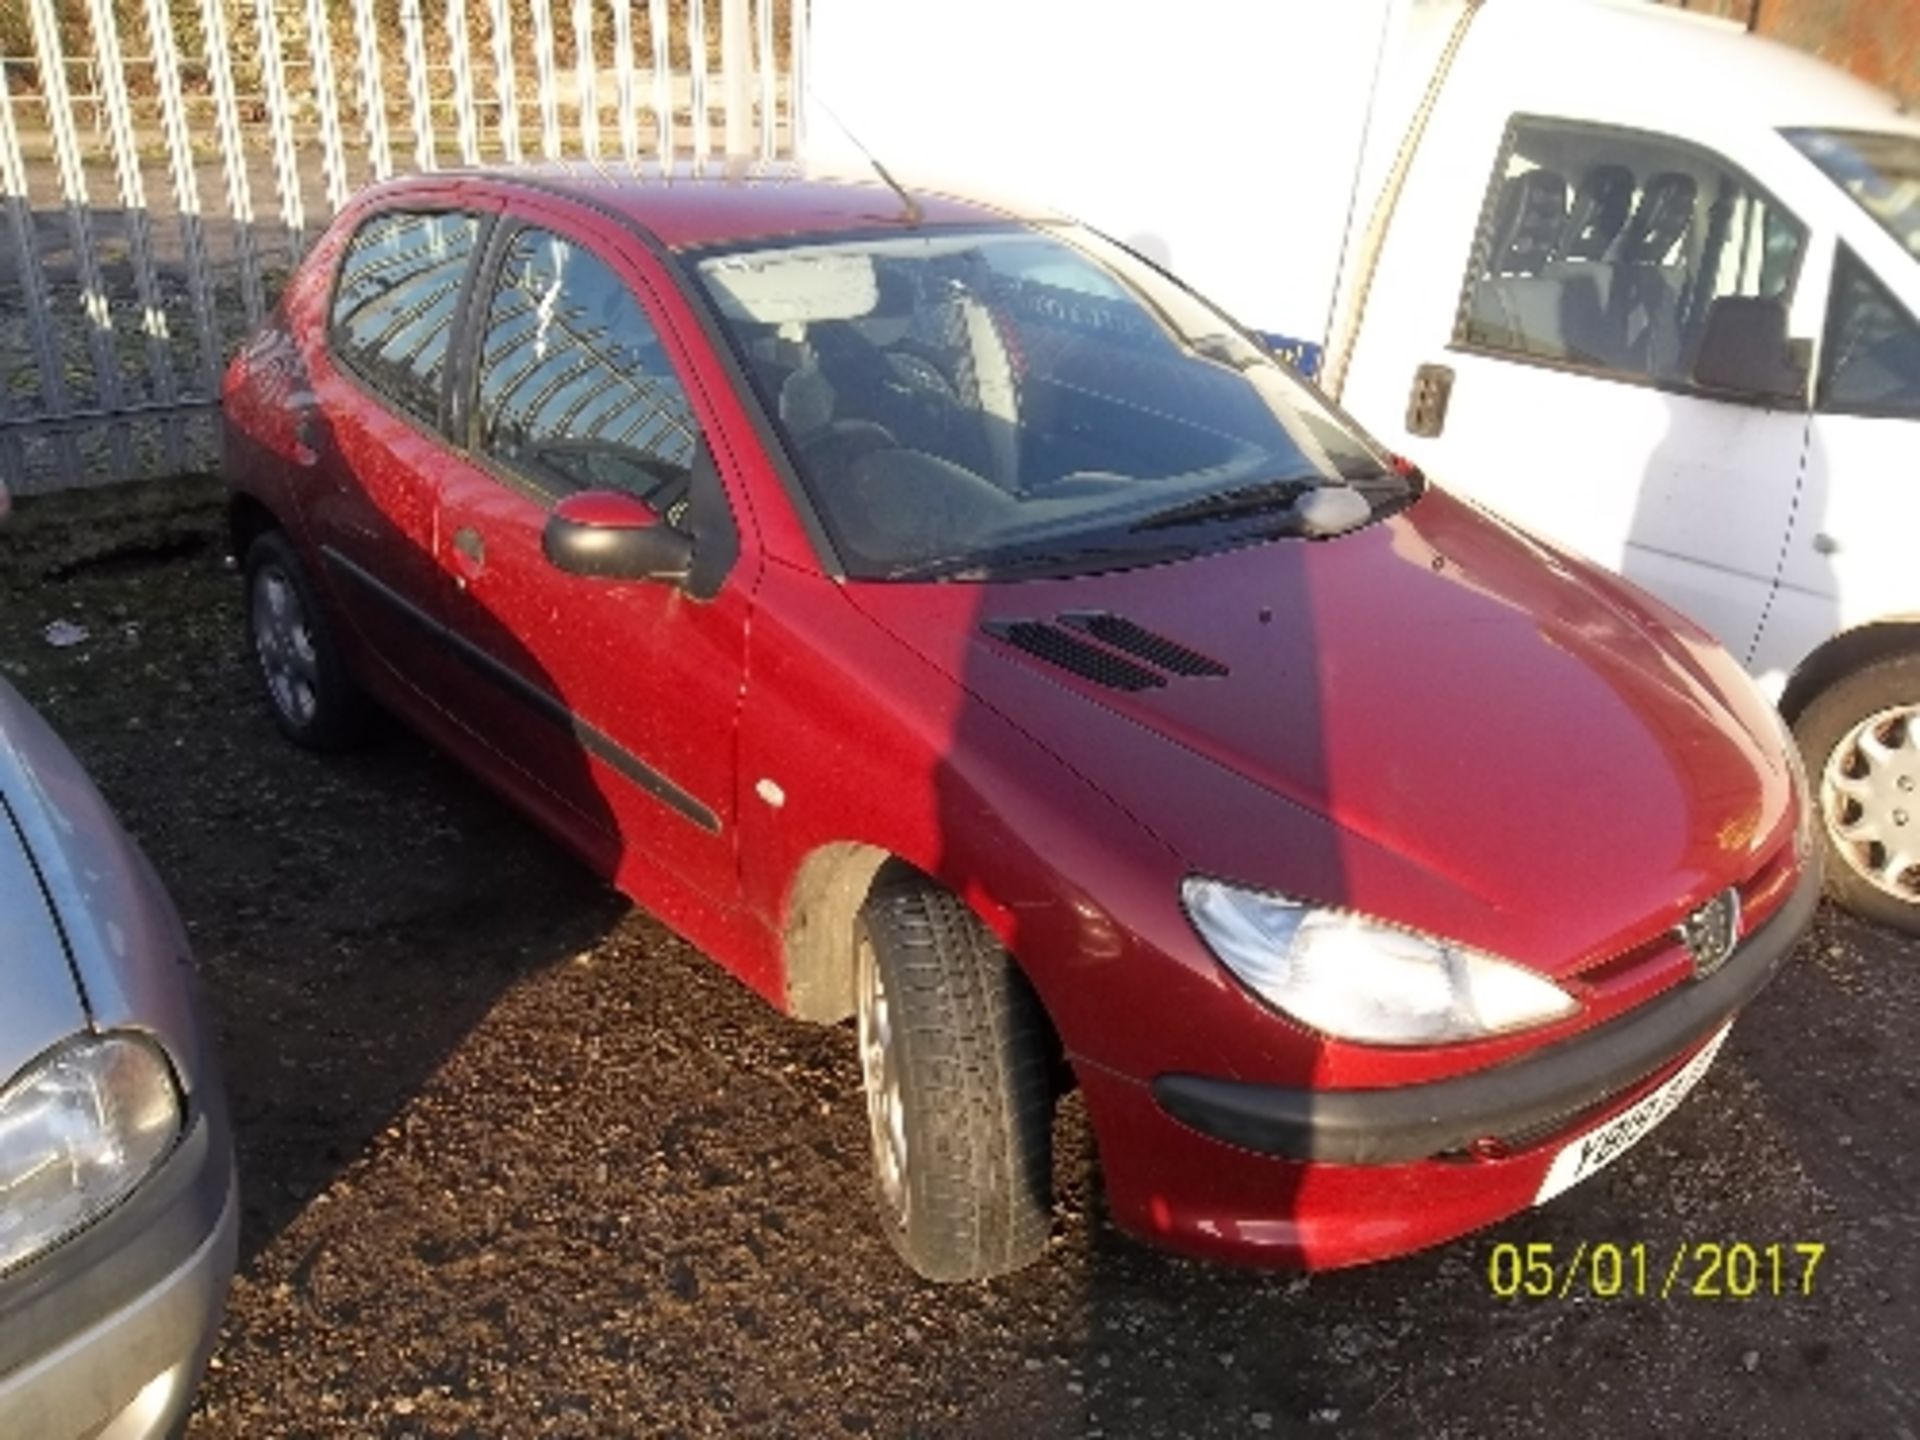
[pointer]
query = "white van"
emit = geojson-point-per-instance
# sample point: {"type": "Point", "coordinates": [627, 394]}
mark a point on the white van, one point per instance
{"type": "Point", "coordinates": [1660, 305]}
{"type": "Point", "coordinates": [1641, 281]}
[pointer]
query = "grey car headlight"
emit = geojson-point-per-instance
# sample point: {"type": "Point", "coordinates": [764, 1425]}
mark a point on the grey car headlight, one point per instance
{"type": "Point", "coordinates": [79, 1130]}
{"type": "Point", "coordinates": [1364, 980]}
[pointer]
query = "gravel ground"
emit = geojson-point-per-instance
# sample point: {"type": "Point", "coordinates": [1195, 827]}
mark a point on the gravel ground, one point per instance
{"type": "Point", "coordinates": [517, 1161]}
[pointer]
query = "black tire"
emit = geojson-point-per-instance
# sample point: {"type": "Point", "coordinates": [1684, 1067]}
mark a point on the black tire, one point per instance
{"type": "Point", "coordinates": [310, 693]}
{"type": "Point", "coordinates": [971, 1053]}
{"type": "Point", "coordinates": [1866, 703]}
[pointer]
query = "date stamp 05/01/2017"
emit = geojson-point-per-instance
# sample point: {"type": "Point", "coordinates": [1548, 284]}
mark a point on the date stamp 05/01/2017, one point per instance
{"type": "Point", "coordinates": [1635, 1270]}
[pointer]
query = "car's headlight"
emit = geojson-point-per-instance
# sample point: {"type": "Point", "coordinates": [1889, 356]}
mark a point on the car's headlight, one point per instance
{"type": "Point", "coordinates": [1360, 979]}
{"type": "Point", "coordinates": [79, 1130]}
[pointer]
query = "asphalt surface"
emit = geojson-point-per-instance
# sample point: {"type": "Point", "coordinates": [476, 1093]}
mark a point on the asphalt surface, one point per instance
{"type": "Point", "coordinates": [517, 1161]}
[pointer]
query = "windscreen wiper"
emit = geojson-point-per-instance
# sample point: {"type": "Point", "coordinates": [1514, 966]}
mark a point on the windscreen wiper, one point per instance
{"type": "Point", "coordinates": [1243, 500]}
{"type": "Point", "coordinates": [1013, 560]}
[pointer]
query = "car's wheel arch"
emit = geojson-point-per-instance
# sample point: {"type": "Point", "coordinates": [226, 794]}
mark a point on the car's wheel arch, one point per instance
{"type": "Point", "coordinates": [1844, 654]}
{"type": "Point", "coordinates": [828, 888]}
{"type": "Point", "coordinates": [248, 518]}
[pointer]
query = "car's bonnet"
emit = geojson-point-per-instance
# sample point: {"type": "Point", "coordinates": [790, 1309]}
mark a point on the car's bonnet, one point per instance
{"type": "Point", "coordinates": [1505, 755]}
{"type": "Point", "coordinates": [124, 959]}
{"type": "Point", "coordinates": [42, 1005]}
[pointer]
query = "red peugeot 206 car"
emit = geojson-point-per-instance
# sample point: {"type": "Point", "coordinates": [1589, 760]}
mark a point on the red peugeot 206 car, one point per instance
{"type": "Point", "coordinates": [946, 619]}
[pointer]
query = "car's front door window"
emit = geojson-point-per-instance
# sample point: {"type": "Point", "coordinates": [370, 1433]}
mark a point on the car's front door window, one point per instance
{"type": "Point", "coordinates": [575, 388]}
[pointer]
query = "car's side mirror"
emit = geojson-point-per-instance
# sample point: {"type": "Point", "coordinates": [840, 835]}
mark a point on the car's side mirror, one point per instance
{"type": "Point", "coordinates": [1745, 351]}
{"type": "Point", "coordinates": [615, 536]}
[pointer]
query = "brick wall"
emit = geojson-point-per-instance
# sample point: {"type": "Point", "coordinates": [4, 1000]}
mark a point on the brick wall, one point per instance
{"type": "Point", "coordinates": [1879, 40]}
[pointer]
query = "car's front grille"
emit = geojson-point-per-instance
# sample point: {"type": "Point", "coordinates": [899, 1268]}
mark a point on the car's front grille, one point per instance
{"type": "Point", "coordinates": [1761, 893]}
{"type": "Point", "coordinates": [1764, 891]}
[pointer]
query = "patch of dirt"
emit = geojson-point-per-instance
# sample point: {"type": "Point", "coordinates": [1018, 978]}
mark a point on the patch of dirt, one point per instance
{"type": "Point", "coordinates": [114, 526]}
{"type": "Point", "coordinates": [517, 1161]}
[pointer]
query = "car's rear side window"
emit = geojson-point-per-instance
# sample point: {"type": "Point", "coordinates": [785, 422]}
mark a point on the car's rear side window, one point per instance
{"type": "Point", "coordinates": [394, 302]}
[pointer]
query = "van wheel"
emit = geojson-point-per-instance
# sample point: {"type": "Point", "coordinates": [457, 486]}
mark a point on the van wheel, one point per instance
{"type": "Point", "coordinates": [1861, 740]}
{"type": "Point", "coordinates": [956, 1056]}
{"type": "Point", "coordinates": [313, 698]}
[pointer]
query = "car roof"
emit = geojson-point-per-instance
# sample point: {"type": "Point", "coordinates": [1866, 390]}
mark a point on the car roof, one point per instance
{"type": "Point", "coordinates": [688, 207]}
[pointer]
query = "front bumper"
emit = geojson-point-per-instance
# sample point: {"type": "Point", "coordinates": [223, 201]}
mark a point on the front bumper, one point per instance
{"type": "Point", "coordinates": [107, 1335]}
{"type": "Point", "coordinates": [1325, 1178]}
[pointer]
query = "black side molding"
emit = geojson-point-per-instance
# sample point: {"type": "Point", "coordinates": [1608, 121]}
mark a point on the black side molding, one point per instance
{"type": "Point", "coordinates": [549, 705]}
{"type": "Point", "coordinates": [1417, 1122]}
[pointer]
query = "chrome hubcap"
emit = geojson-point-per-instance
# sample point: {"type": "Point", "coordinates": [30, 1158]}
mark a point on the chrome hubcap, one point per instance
{"type": "Point", "coordinates": [283, 641]}
{"type": "Point", "coordinates": [880, 1069]}
{"type": "Point", "coordinates": [1870, 799]}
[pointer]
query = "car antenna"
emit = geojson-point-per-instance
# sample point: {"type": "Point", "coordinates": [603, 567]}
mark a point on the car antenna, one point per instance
{"type": "Point", "coordinates": [915, 215]}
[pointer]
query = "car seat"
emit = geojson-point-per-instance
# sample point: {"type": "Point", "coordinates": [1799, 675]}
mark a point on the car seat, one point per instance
{"type": "Point", "coordinates": [1583, 270]}
{"type": "Point", "coordinates": [1513, 306]}
{"type": "Point", "coordinates": [829, 443]}
{"type": "Point", "coordinates": [1644, 306]}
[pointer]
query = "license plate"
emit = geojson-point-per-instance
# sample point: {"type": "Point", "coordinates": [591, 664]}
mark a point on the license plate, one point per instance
{"type": "Point", "coordinates": [1597, 1149]}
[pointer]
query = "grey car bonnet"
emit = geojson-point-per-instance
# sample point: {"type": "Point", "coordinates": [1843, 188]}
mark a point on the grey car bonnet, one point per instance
{"type": "Point", "coordinates": [86, 930]}
{"type": "Point", "coordinates": [39, 1001]}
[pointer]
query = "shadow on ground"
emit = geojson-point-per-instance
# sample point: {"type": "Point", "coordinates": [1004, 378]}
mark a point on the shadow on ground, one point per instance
{"type": "Point", "coordinates": [353, 918]}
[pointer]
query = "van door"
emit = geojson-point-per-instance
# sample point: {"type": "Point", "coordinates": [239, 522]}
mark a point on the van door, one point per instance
{"type": "Point", "coordinates": [1850, 559]}
{"type": "Point", "coordinates": [1571, 395]}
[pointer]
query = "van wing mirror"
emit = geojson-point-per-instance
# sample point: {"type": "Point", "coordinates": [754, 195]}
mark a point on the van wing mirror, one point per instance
{"type": "Point", "coordinates": [1744, 350]}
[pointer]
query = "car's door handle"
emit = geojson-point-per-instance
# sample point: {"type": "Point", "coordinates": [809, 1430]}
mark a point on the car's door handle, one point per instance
{"type": "Point", "coordinates": [469, 554]}
{"type": "Point", "coordinates": [1427, 403]}
{"type": "Point", "coordinates": [1824, 544]}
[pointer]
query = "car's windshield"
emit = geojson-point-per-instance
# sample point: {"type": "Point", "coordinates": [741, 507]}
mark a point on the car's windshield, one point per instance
{"type": "Point", "coordinates": [1880, 171]}
{"type": "Point", "coordinates": [968, 402]}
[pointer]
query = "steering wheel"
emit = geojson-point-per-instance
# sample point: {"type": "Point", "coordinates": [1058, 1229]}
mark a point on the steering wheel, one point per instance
{"type": "Point", "coordinates": [912, 373]}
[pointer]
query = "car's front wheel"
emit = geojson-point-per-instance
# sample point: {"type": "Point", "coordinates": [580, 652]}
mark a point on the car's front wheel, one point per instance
{"type": "Point", "coordinates": [313, 697]}
{"type": "Point", "coordinates": [1861, 741]}
{"type": "Point", "coordinates": [957, 1061]}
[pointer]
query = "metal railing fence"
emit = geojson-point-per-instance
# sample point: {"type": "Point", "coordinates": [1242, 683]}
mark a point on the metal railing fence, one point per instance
{"type": "Point", "coordinates": [153, 196]}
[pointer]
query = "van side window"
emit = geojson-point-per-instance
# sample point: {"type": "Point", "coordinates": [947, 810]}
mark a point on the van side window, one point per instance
{"type": "Point", "coordinates": [576, 391]}
{"type": "Point", "coordinates": [394, 302]}
{"type": "Point", "coordinates": [1604, 249]}
{"type": "Point", "coordinates": [1871, 355]}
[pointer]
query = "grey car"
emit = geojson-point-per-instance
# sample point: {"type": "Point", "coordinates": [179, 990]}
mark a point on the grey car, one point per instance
{"type": "Point", "coordinates": [118, 1216]}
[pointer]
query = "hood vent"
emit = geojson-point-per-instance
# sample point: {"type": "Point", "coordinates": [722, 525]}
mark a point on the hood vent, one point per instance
{"type": "Point", "coordinates": [1143, 644]}
{"type": "Point", "coordinates": [1061, 644]}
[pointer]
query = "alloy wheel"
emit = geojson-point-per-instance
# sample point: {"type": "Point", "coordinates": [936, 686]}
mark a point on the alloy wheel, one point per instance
{"type": "Point", "coordinates": [283, 641]}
